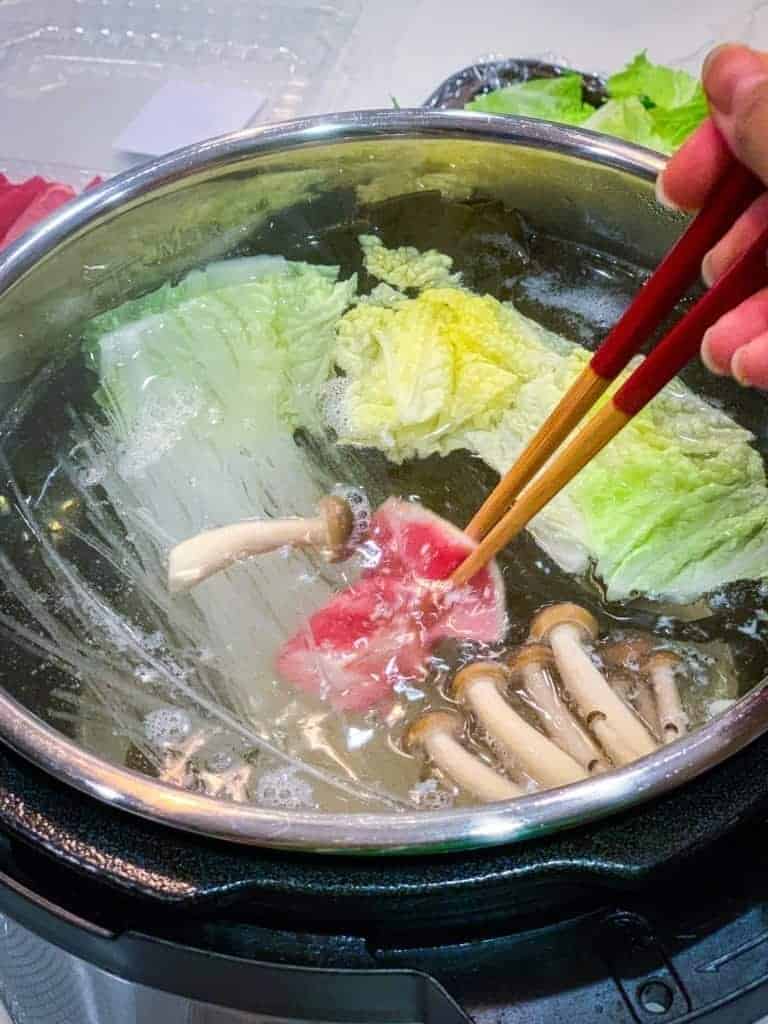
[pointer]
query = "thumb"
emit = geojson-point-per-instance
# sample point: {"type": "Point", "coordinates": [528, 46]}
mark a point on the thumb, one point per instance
{"type": "Point", "coordinates": [735, 79]}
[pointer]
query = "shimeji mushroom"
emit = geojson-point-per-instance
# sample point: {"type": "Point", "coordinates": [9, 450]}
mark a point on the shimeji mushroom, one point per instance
{"type": "Point", "coordinates": [534, 664]}
{"type": "Point", "coordinates": [617, 728]}
{"type": "Point", "coordinates": [438, 734]}
{"type": "Point", "coordinates": [634, 689]}
{"type": "Point", "coordinates": [662, 667]}
{"type": "Point", "coordinates": [478, 686]}
{"type": "Point", "coordinates": [628, 656]}
{"type": "Point", "coordinates": [339, 525]}
{"type": "Point", "coordinates": [657, 695]}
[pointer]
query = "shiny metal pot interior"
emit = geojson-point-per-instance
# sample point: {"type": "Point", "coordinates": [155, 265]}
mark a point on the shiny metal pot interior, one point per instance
{"type": "Point", "coordinates": [141, 228]}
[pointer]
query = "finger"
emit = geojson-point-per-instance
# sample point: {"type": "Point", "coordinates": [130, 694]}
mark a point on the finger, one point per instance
{"type": "Point", "coordinates": [750, 364]}
{"type": "Point", "coordinates": [694, 169]}
{"type": "Point", "coordinates": [736, 241]}
{"type": "Point", "coordinates": [735, 79]}
{"type": "Point", "coordinates": [732, 331]}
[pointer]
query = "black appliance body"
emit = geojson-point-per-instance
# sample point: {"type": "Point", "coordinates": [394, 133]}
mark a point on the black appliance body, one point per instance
{"type": "Point", "coordinates": [660, 914]}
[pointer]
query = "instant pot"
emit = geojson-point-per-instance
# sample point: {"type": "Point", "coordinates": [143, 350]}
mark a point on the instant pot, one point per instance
{"type": "Point", "coordinates": [640, 895]}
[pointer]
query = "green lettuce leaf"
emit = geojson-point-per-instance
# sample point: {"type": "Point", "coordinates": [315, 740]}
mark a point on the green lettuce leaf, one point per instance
{"type": "Point", "coordinates": [675, 507]}
{"type": "Point", "coordinates": [674, 125]}
{"type": "Point", "coordinates": [660, 86]}
{"type": "Point", "coordinates": [554, 99]}
{"type": "Point", "coordinates": [627, 119]}
{"type": "Point", "coordinates": [674, 99]}
{"type": "Point", "coordinates": [649, 104]}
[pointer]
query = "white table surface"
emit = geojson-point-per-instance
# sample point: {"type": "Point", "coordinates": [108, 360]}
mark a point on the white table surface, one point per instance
{"type": "Point", "coordinates": [430, 39]}
{"type": "Point", "coordinates": [67, 93]}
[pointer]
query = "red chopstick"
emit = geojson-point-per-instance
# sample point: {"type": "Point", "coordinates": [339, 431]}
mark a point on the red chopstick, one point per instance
{"type": "Point", "coordinates": [747, 274]}
{"type": "Point", "coordinates": [679, 269]}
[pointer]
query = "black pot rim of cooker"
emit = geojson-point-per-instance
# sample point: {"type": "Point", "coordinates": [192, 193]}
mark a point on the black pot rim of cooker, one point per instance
{"type": "Point", "coordinates": [149, 865]}
{"type": "Point", "coordinates": [662, 898]}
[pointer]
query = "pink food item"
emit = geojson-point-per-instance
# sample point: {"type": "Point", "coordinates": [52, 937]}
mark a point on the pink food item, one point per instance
{"type": "Point", "coordinates": [14, 199]}
{"type": "Point", "coordinates": [383, 628]}
{"type": "Point", "coordinates": [45, 202]}
{"type": "Point", "coordinates": [23, 204]}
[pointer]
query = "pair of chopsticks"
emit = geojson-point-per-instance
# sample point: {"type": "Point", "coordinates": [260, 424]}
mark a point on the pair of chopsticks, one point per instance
{"type": "Point", "coordinates": [516, 500]}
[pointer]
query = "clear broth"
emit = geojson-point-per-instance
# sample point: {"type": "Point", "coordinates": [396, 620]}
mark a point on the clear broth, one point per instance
{"type": "Point", "coordinates": [123, 678]}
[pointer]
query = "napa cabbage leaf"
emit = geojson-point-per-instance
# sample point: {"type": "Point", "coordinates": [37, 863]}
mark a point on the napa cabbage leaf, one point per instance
{"type": "Point", "coordinates": [676, 506]}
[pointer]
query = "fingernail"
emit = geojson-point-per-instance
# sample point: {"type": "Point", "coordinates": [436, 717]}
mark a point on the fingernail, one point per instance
{"type": "Point", "coordinates": [707, 270]}
{"type": "Point", "coordinates": [737, 369]}
{"type": "Point", "coordinates": [662, 197]}
{"type": "Point", "coordinates": [730, 72]}
{"type": "Point", "coordinates": [706, 355]}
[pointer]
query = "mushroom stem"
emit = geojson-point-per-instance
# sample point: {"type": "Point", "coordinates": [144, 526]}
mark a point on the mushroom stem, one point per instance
{"type": "Point", "coordinates": [541, 759]}
{"type": "Point", "coordinates": [616, 727]}
{"type": "Point", "coordinates": [534, 663]}
{"type": "Point", "coordinates": [628, 656]}
{"type": "Point", "coordinates": [625, 738]}
{"type": "Point", "coordinates": [437, 733]}
{"type": "Point", "coordinates": [635, 689]}
{"type": "Point", "coordinates": [196, 559]}
{"type": "Point", "coordinates": [673, 721]}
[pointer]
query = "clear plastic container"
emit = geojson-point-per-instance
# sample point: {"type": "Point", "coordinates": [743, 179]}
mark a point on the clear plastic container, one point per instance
{"type": "Point", "coordinates": [74, 73]}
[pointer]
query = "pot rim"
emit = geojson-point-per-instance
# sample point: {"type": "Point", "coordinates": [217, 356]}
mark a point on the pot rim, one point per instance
{"type": "Point", "coordinates": [372, 833]}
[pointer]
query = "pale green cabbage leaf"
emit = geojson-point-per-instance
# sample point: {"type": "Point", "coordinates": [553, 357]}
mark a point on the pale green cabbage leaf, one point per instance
{"type": "Point", "coordinates": [676, 506]}
{"type": "Point", "coordinates": [406, 267]}
{"type": "Point", "coordinates": [260, 328]}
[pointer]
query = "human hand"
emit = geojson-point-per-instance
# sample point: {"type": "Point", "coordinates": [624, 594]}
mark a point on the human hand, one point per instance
{"type": "Point", "coordinates": [735, 79]}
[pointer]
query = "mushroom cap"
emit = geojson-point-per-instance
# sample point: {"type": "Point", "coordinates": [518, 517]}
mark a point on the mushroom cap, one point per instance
{"type": "Point", "coordinates": [563, 614]}
{"type": "Point", "coordinates": [470, 674]}
{"type": "Point", "coordinates": [339, 523]}
{"type": "Point", "coordinates": [530, 654]}
{"type": "Point", "coordinates": [623, 682]}
{"type": "Point", "coordinates": [433, 722]}
{"type": "Point", "coordinates": [662, 659]}
{"type": "Point", "coordinates": [628, 653]}
{"type": "Point", "coordinates": [360, 507]}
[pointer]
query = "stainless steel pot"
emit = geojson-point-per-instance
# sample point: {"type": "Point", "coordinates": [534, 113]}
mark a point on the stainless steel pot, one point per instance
{"type": "Point", "coordinates": [140, 228]}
